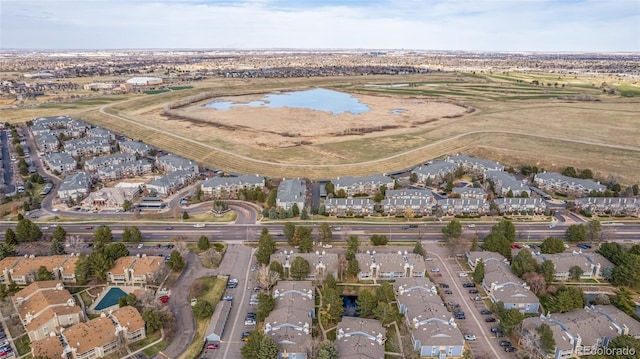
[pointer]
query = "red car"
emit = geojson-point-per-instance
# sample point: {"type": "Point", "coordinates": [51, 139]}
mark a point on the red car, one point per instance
{"type": "Point", "coordinates": [164, 299]}
{"type": "Point", "coordinates": [213, 346]}
{"type": "Point", "coordinates": [88, 227]}
{"type": "Point", "coordinates": [515, 246]}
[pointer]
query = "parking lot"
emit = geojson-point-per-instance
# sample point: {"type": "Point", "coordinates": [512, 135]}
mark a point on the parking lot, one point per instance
{"type": "Point", "coordinates": [459, 299]}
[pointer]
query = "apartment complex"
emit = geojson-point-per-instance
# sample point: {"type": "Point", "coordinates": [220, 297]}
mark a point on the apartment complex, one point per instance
{"type": "Point", "coordinates": [138, 271]}
{"type": "Point", "coordinates": [321, 264]}
{"type": "Point", "coordinates": [388, 266]}
{"type": "Point", "coordinates": [360, 338]}
{"type": "Point", "coordinates": [593, 265]}
{"type": "Point", "coordinates": [577, 187]}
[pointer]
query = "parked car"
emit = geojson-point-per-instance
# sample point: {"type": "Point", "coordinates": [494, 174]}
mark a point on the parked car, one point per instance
{"type": "Point", "coordinates": [505, 343]}
{"type": "Point", "coordinates": [490, 320]}
{"type": "Point", "coordinates": [448, 291]}
{"type": "Point", "coordinates": [245, 336]}
{"type": "Point", "coordinates": [435, 269]}
{"type": "Point", "coordinates": [462, 274]}
{"type": "Point", "coordinates": [444, 285]}
{"type": "Point", "coordinates": [228, 298]}
{"type": "Point", "coordinates": [254, 268]}
{"type": "Point", "coordinates": [428, 259]}
{"type": "Point", "coordinates": [327, 246]}
{"type": "Point", "coordinates": [473, 291]}
{"type": "Point", "coordinates": [486, 312]}
{"type": "Point", "coordinates": [469, 285]}
{"type": "Point", "coordinates": [509, 349]}
{"type": "Point", "coordinates": [250, 321]}
{"type": "Point", "coordinates": [470, 337]}
{"type": "Point", "coordinates": [213, 346]}
{"type": "Point", "coordinates": [140, 246]}
{"type": "Point", "coordinates": [495, 329]}
{"type": "Point", "coordinates": [164, 299]}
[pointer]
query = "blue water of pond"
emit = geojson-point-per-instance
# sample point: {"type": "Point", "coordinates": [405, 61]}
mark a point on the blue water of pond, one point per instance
{"type": "Point", "coordinates": [349, 302]}
{"type": "Point", "coordinates": [397, 111]}
{"type": "Point", "coordinates": [316, 99]}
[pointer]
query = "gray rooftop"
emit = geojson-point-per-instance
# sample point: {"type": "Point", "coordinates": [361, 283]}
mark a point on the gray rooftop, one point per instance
{"type": "Point", "coordinates": [109, 160]}
{"type": "Point", "coordinates": [178, 163]}
{"type": "Point", "coordinates": [242, 180]}
{"type": "Point", "coordinates": [390, 262]}
{"type": "Point", "coordinates": [436, 168]}
{"type": "Point", "coordinates": [587, 184]}
{"type": "Point", "coordinates": [171, 179]}
{"type": "Point", "coordinates": [375, 179]}
{"type": "Point", "coordinates": [408, 194]}
{"type": "Point", "coordinates": [75, 181]}
{"type": "Point", "coordinates": [360, 338]}
{"type": "Point", "coordinates": [292, 191]}
{"type": "Point", "coordinates": [469, 191]}
{"type": "Point", "coordinates": [56, 159]}
{"type": "Point", "coordinates": [135, 146]}
{"type": "Point", "coordinates": [505, 180]}
{"type": "Point", "coordinates": [565, 260]}
{"type": "Point", "coordinates": [475, 162]}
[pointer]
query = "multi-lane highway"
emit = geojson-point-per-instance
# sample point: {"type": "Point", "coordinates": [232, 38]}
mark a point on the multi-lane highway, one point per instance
{"type": "Point", "coordinates": [395, 232]}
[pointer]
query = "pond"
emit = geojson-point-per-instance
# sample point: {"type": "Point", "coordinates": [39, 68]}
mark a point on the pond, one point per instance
{"type": "Point", "coordinates": [350, 306]}
{"type": "Point", "coordinates": [317, 99]}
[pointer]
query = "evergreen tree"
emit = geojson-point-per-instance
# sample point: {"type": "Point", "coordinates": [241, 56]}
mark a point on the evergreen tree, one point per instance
{"type": "Point", "coordinates": [60, 234]}
{"type": "Point", "coordinates": [266, 247]}
{"type": "Point", "coordinates": [44, 274]}
{"type": "Point", "coordinates": [10, 237]}
{"type": "Point", "coordinates": [203, 243]}
{"type": "Point", "coordinates": [478, 273]}
{"type": "Point", "coordinates": [366, 304]}
{"type": "Point", "coordinates": [417, 248]}
{"type": "Point", "coordinates": [176, 262]}
{"type": "Point", "coordinates": [299, 268]}
{"type": "Point", "coordinates": [56, 247]}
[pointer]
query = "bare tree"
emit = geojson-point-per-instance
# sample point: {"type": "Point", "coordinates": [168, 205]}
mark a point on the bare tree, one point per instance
{"type": "Point", "coordinates": [211, 256]}
{"type": "Point", "coordinates": [536, 282]}
{"type": "Point", "coordinates": [74, 242]}
{"type": "Point", "coordinates": [181, 244]}
{"type": "Point", "coordinates": [267, 278]}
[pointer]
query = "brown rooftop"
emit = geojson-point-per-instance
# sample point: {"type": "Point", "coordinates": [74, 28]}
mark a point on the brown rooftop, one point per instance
{"type": "Point", "coordinates": [121, 264]}
{"type": "Point", "coordinates": [43, 299]}
{"type": "Point", "coordinates": [31, 265]}
{"type": "Point", "coordinates": [69, 266]}
{"type": "Point", "coordinates": [36, 286]}
{"type": "Point", "coordinates": [144, 265]}
{"type": "Point", "coordinates": [92, 334]}
{"type": "Point", "coordinates": [50, 313]}
{"type": "Point", "coordinates": [129, 317]}
{"type": "Point", "coordinates": [8, 263]}
{"type": "Point", "coordinates": [49, 347]}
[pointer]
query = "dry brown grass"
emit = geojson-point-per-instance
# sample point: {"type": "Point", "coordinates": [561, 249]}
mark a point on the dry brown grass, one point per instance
{"type": "Point", "coordinates": [551, 133]}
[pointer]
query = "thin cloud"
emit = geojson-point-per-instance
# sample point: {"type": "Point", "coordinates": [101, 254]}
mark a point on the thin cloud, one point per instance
{"type": "Point", "coordinates": [389, 24]}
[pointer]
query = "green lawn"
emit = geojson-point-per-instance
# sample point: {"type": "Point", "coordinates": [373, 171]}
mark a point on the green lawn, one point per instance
{"type": "Point", "coordinates": [22, 345]}
{"type": "Point", "coordinates": [148, 340]}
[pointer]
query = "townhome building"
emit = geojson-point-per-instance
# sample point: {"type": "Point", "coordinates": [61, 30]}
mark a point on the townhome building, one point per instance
{"type": "Point", "coordinates": [99, 132]}
{"type": "Point", "coordinates": [139, 270]}
{"type": "Point", "coordinates": [291, 192]}
{"type": "Point", "coordinates": [171, 182]}
{"type": "Point", "coordinates": [349, 206]}
{"type": "Point", "coordinates": [125, 170]}
{"type": "Point", "coordinates": [171, 163]}
{"type": "Point", "coordinates": [459, 206]}
{"type": "Point", "coordinates": [135, 148]}
{"type": "Point", "coordinates": [44, 307]}
{"type": "Point", "coordinates": [593, 265]}
{"type": "Point", "coordinates": [56, 125]}
{"type": "Point", "coordinates": [434, 332]}
{"type": "Point", "coordinates": [503, 286]}
{"type": "Point", "coordinates": [360, 338]}
{"type": "Point", "coordinates": [6, 264]}
{"type": "Point", "coordinates": [87, 146]}
{"type": "Point", "coordinates": [367, 184]}
{"type": "Point", "coordinates": [504, 183]}
{"type": "Point", "coordinates": [321, 264]}
{"type": "Point", "coordinates": [49, 347]}
{"type": "Point", "coordinates": [555, 182]}
{"type": "Point", "coordinates": [66, 271]}
{"type": "Point", "coordinates": [290, 322]}
{"type": "Point", "coordinates": [521, 205]}
{"type": "Point", "coordinates": [584, 331]}
{"type": "Point", "coordinates": [228, 187]}
{"type": "Point", "coordinates": [96, 163]}
{"type": "Point", "coordinates": [61, 162]}
{"type": "Point", "coordinates": [74, 186]}
{"type": "Point", "coordinates": [47, 143]}
{"type": "Point", "coordinates": [96, 338]}
{"type": "Point", "coordinates": [615, 206]}
{"type": "Point", "coordinates": [470, 193]}
{"type": "Point", "coordinates": [474, 165]}
{"type": "Point", "coordinates": [25, 270]}
{"type": "Point", "coordinates": [435, 172]}
{"type": "Point", "coordinates": [397, 202]}
{"type": "Point", "coordinates": [475, 257]}
{"type": "Point", "coordinates": [129, 323]}
{"type": "Point", "coordinates": [389, 266]}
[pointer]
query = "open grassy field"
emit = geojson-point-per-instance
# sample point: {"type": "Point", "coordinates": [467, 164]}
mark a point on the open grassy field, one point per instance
{"type": "Point", "coordinates": [549, 120]}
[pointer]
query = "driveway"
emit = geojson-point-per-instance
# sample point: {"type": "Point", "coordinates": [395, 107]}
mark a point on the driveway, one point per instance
{"type": "Point", "coordinates": [6, 163]}
{"type": "Point", "coordinates": [180, 307]}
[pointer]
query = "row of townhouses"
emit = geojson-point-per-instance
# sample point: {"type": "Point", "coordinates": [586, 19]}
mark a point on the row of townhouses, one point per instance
{"type": "Point", "coordinates": [593, 265]}
{"type": "Point", "coordinates": [372, 265]}
{"type": "Point", "coordinates": [502, 285]}
{"type": "Point", "coordinates": [555, 182]}
{"type": "Point", "coordinates": [434, 332]}
{"type": "Point", "coordinates": [627, 206]}
{"type": "Point", "coordinates": [360, 338]}
{"type": "Point", "coordinates": [130, 270]}
{"type": "Point", "coordinates": [583, 332]}
{"type": "Point", "coordinates": [290, 322]}
{"type": "Point", "coordinates": [57, 329]}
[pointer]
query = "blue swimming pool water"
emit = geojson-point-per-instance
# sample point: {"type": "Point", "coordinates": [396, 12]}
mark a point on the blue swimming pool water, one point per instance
{"type": "Point", "coordinates": [111, 298]}
{"type": "Point", "coordinates": [317, 99]}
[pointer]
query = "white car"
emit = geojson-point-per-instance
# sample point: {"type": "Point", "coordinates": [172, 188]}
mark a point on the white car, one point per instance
{"type": "Point", "coordinates": [463, 274]}
{"type": "Point", "coordinates": [435, 269]}
{"type": "Point", "coordinates": [470, 337]}
{"type": "Point", "coordinates": [199, 225]}
{"type": "Point", "coordinates": [249, 322]}
{"type": "Point", "coordinates": [140, 246]}
{"type": "Point", "coordinates": [327, 246]}
{"type": "Point", "coordinates": [428, 259]}
{"type": "Point", "coordinates": [472, 225]}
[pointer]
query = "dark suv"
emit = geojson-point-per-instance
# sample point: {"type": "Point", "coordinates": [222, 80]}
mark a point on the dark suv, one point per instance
{"type": "Point", "coordinates": [469, 285]}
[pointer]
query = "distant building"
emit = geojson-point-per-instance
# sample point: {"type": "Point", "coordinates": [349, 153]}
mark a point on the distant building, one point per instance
{"type": "Point", "coordinates": [135, 148]}
{"type": "Point", "coordinates": [228, 187]}
{"type": "Point", "coordinates": [144, 81]}
{"type": "Point", "coordinates": [521, 205]}
{"type": "Point", "coordinates": [474, 165]}
{"type": "Point", "coordinates": [470, 193]}
{"type": "Point", "coordinates": [435, 172]}
{"type": "Point", "coordinates": [627, 206]}
{"type": "Point", "coordinates": [171, 163]}
{"type": "Point", "coordinates": [367, 184]}
{"type": "Point", "coordinates": [171, 182]}
{"type": "Point", "coordinates": [457, 206]}
{"type": "Point", "coordinates": [593, 265]}
{"type": "Point", "coordinates": [352, 206]}
{"type": "Point", "coordinates": [60, 162]}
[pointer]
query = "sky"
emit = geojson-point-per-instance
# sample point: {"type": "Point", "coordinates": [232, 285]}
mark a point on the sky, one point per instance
{"type": "Point", "coordinates": [468, 25]}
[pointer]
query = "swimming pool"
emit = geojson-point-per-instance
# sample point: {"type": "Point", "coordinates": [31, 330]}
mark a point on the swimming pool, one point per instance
{"type": "Point", "coordinates": [111, 298]}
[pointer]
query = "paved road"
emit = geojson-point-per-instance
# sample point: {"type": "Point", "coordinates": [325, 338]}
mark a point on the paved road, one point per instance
{"type": "Point", "coordinates": [180, 307]}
